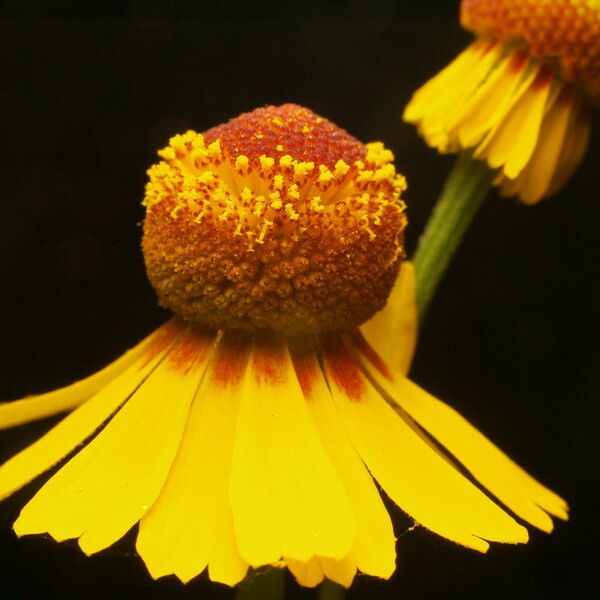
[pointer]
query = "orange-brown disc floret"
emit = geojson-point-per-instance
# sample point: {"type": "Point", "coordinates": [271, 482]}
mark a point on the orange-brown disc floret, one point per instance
{"type": "Point", "coordinates": [276, 220]}
{"type": "Point", "coordinates": [564, 31]}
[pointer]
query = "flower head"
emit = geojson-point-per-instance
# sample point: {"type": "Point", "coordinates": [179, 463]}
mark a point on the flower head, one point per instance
{"type": "Point", "coordinates": [249, 430]}
{"type": "Point", "coordinates": [277, 220]}
{"type": "Point", "coordinates": [519, 96]}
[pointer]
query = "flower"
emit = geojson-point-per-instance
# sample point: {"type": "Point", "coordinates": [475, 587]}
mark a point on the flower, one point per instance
{"type": "Point", "coordinates": [518, 97]}
{"type": "Point", "coordinates": [250, 429]}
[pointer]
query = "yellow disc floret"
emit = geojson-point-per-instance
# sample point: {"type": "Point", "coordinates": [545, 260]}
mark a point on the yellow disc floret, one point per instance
{"type": "Point", "coordinates": [276, 220]}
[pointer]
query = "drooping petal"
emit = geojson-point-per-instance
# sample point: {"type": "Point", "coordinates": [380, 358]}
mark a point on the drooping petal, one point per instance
{"type": "Point", "coordinates": [576, 143]}
{"type": "Point", "coordinates": [190, 525]}
{"type": "Point", "coordinates": [496, 99]}
{"type": "Point", "coordinates": [526, 497]}
{"type": "Point", "coordinates": [534, 181]}
{"type": "Point", "coordinates": [286, 497]}
{"type": "Point", "coordinates": [434, 106]}
{"type": "Point", "coordinates": [71, 396]}
{"type": "Point", "coordinates": [373, 551]}
{"type": "Point", "coordinates": [105, 488]}
{"type": "Point", "coordinates": [394, 329]}
{"type": "Point", "coordinates": [511, 142]}
{"type": "Point", "coordinates": [83, 422]}
{"type": "Point", "coordinates": [434, 89]}
{"type": "Point", "coordinates": [491, 102]}
{"type": "Point", "coordinates": [416, 477]}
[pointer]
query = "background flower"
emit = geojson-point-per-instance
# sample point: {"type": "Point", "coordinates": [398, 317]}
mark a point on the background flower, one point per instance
{"type": "Point", "coordinates": [83, 99]}
{"type": "Point", "coordinates": [519, 96]}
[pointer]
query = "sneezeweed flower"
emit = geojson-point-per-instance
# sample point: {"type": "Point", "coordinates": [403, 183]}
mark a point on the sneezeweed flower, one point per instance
{"type": "Point", "coordinates": [251, 428]}
{"type": "Point", "coordinates": [518, 97]}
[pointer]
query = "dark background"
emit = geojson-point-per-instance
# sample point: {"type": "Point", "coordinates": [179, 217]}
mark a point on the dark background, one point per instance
{"type": "Point", "coordinates": [86, 98]}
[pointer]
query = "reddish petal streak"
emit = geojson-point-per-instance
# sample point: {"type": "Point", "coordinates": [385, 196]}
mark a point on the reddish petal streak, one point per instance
{"type": "Point", "coordinates": [229, 363]}
{"type": "Point", "coordinates": [161, 340]}
{"type": "Point", "coordinates": [488, 46]}
{"type": "Point", "coordinates": [544, 78]}
{"type": "Point", "coordinates": [518, 61]}
{"type": "Point", "coordinates": [343, 369]}
{"type": "Point", "coordinates": [268, 363]}
{"type": "Point", "coordinates": [361, 343]}
{"type": "Point", "coordinates": [192, 349]}
{"type": "Point", "coordinates": [566, 96]}
{"type": "Point", "coordinates": [307, 370]}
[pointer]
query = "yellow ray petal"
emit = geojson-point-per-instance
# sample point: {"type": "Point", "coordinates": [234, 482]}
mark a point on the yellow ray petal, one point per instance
{"type": "Point", "coordinates": [574, 148]}
{"type": "Point", "coordinates": [373, 551]}
{"type": "Point", "coordinates": [71, 396]}
{"type": "Point", "coordinates": [83, 422]}
{"type": "Point", "coordinates": [226, 565]}
{"type": "Point", "coordinates": [511, 187]}
{"type": "Point", "coordinates": [441, 83]}
{"type": "Point", "coordinates": [286, 497]}
{"type": "Point", "coordinates": [491, 102]}
{"type": "Point", "coordinates": [535, 179]}
{"type": "Point", "coordinates": [422, 483]}
{"type": "Point", "coordinates": [312, 572]}
{"type": "Point", "coordinates": [105, 488]}
{"type": "Point", "coordinates": [489, 465]}
{"type": "Point", "coordinates": [308, 574]}
{"type": "Point", "coordinates": [510, 144]}
{"type": "Point", "coordinates": [394, 329]}
{"type": "Point", "coordinates": [339, 571]}
{"type": "Point", "coordinates": [190, 525]}
{"type": "Point", "coordinates": [438, 118]}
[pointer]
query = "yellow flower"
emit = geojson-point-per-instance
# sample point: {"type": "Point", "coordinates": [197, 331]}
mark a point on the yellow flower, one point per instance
{"type": "Point", "coordinates": [250, 429]}
{"type": "Point", "coordinates": [519, 96]}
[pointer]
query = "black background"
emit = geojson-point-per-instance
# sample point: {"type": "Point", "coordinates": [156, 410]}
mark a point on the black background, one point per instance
{"type": "Point", "coordinates": [88, 95]}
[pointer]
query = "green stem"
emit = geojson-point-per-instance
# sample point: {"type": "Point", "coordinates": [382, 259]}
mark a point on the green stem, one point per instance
{"type": "Point", "coordinates": [330, 591]}
{"type": "Point", "coordinates": [463, 194]}
{"type": "Point", "coordinates": [268, 584]}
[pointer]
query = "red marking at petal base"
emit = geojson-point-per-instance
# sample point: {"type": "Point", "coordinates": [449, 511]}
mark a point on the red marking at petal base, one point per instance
{"type": "Point", "coordinates": [544, 78]}
{"type": "Point", "coordinates": [192, 349]}
{"type": "Point", "coordinates": [343, 369]}
{"type": "Point", "coordinates": [487, 46]}
{"type": "Point", "coordinates": [518, 61]}
{"type": "Point", "coordinates": [230, 360]}
{"type": "Point", "coordinates": [361, 343]}
{"type": "Point", "coordinates": [269, 362]}
{"type": "Point", "coordinates": [566, 96]}
{"type": "Point", "coordinates": [162, 339]}
{"type": "Point", "coordinates": [307, 369]}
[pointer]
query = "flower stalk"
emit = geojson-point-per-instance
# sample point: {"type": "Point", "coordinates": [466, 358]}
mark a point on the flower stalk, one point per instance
{"type": "Point", "coordinates": [330, 590]}
{"type": "Point", "coordinates": [466, 188]}
{"type": "Point", "coordinates": [268, 584]}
